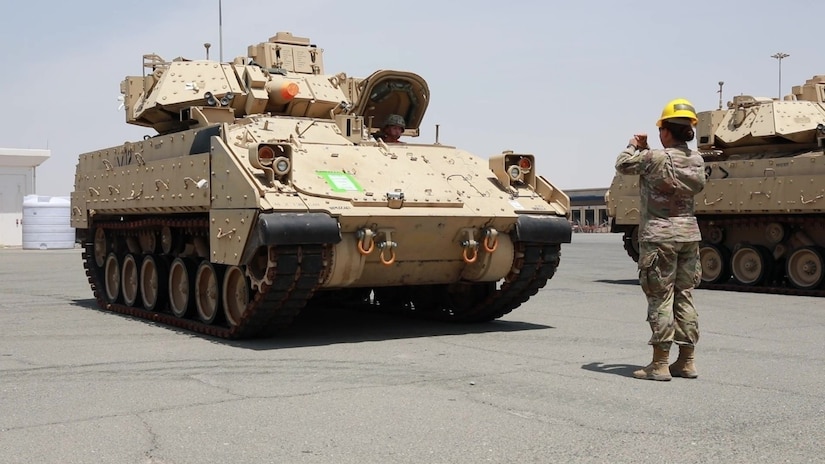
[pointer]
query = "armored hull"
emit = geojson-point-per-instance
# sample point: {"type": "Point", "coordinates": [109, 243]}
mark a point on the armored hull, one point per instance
{"type": "Point", "coordinates": [762, 212]}
{"type": "Point", "coordinates": [266, 190]}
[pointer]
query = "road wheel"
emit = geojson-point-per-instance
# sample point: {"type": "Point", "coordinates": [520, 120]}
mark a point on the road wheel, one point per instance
{"type": "Point", "coordinates": [235, 294]}
{"type": "Point", "coordinates": [804, 268]}
{"type": "Point", "coordinates": [181, 286]}
{"type": "Point", "coordinates": [153, 282]}
{"type": "Point", "coordinates": [208, 282]}
{"type": "Point", "coordinates": [111, 278]}
{"type": "Point", "coordinates": [751, 264]}
{"type": "Point", "coordinates": [129, 280]}
{"type": "Point", "coordinates": [715, 264]}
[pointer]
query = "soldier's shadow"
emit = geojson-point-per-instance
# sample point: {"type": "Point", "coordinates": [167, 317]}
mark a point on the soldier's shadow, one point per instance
{"type": "Point", "coordinates": [619, 282]}
{"type": "Point", "coordinates": [624, 370]}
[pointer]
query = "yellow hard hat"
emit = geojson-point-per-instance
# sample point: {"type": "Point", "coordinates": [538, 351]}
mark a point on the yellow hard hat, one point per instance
{"type": "Point", "coordinates": [679, 108]}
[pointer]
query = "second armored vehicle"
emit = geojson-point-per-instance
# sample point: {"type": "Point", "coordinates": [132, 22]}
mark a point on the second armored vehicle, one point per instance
{"type": "Point", "coordinates": [266, 189]}
{"type": "Point", "coordinates": [762, 213]}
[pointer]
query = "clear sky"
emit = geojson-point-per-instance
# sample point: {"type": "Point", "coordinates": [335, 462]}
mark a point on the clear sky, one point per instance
{"type": "Point", "coordinates": [569, 82]}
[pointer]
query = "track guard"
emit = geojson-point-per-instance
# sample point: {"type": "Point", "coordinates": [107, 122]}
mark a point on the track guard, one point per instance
{"type": "Point", "coordinates": [543, 229]}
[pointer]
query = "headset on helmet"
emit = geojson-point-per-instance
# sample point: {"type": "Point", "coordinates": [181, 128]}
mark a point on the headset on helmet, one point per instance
{"type": "Point", "coordinates": [679, 108]}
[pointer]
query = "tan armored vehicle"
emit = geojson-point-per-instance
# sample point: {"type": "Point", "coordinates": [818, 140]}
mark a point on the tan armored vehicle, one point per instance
{"type": "Point", "coordinates": [762, 213]}
{"type": "Point", "coordinates": [266, 189]}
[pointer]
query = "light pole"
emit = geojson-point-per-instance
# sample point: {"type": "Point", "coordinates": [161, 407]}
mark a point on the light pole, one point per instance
{"type": "Point", "coordinates": [779, 56]}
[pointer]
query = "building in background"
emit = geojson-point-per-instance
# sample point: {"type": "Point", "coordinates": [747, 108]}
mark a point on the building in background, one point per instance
{"type": "Point", "coordinates": [17, 179]}
{"type": "Point", "coordinates": [588, 211]}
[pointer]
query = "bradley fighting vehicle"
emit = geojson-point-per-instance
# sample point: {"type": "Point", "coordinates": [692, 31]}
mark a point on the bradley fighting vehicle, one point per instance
{"type": "Point", "coordinates": [762, 212]}
{"type": "Point", "coordinates": [265, 189]}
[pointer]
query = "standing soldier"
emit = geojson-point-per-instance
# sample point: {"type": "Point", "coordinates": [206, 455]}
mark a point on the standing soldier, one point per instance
{"type": "Point", "coordinates": [669, 266]}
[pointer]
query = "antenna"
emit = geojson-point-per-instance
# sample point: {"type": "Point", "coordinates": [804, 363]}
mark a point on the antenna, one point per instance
{"type": "Point", "coordinates": [220, 31]}
{"type": "Point", "coordinates": [721, 83]}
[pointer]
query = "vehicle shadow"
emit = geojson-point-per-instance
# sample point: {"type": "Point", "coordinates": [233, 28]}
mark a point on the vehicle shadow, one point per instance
{"type": "Point", "coordinates": [624, 370]}
{"type": "Point", "coordinates": [330, 326]}
{"type": "Point", "coordinates": [88, 303]}
{"type": "Point", "coordinates": [320, 326]}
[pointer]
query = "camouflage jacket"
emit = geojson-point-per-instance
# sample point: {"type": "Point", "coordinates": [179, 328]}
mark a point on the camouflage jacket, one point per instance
{"type": "Point", "coordinates": [668, 181]}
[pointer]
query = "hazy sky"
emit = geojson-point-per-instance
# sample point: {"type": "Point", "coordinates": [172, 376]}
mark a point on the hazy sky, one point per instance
{"type": "Point", "coordinates": [567, 81]}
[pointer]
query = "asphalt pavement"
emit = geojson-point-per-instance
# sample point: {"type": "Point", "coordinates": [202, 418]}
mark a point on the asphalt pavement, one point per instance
{"type": "Point", "coordinates": [549, 383]}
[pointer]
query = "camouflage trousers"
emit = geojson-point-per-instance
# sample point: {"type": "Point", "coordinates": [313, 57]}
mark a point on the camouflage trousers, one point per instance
{"type": "Point", "coordinates": [668, 272]}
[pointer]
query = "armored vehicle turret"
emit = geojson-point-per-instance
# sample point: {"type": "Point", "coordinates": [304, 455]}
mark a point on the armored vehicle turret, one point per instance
{"type": "Point", "coordinates": [266, 188]}
{"type": "Point", "coordinates": [762, 213]}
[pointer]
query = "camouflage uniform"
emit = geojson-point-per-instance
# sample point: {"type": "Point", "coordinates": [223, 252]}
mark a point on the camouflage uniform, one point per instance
{"type": "Point", "coordinates": [669, 266]}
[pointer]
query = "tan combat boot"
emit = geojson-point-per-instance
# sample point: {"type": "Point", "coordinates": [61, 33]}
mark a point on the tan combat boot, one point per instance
{"type": "Point", "coordinates": [657, 369]}
{"type": "Point", "coordinates": [684, 367]}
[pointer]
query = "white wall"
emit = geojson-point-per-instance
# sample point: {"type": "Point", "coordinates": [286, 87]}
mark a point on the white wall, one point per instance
{"type": "Point", "coordinates": [17, 179]}
{"type": "Point", "coordinates": [15, 183]}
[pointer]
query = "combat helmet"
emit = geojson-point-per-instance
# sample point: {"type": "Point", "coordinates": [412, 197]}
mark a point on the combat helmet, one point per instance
{"type": "Point", "coordinates": [395, 120]}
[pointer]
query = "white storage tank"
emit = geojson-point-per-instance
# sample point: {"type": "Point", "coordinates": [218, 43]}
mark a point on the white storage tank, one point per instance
{"type": "Point", "coordinates": [46, 223]}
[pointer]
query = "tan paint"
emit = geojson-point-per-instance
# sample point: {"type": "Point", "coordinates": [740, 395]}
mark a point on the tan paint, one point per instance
{"type": "Point", "coordinates": [347, 263]}
{"type": "Point", "coordinates": [228, 232]}
{"type": "Point", "coordinates": [428, 205]}
{"type": "Point", "coordinates": [176, 184]}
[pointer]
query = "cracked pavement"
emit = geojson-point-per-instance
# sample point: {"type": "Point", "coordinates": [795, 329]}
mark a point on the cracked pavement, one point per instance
{"type": "Point", "coordinates": [549, 382]}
